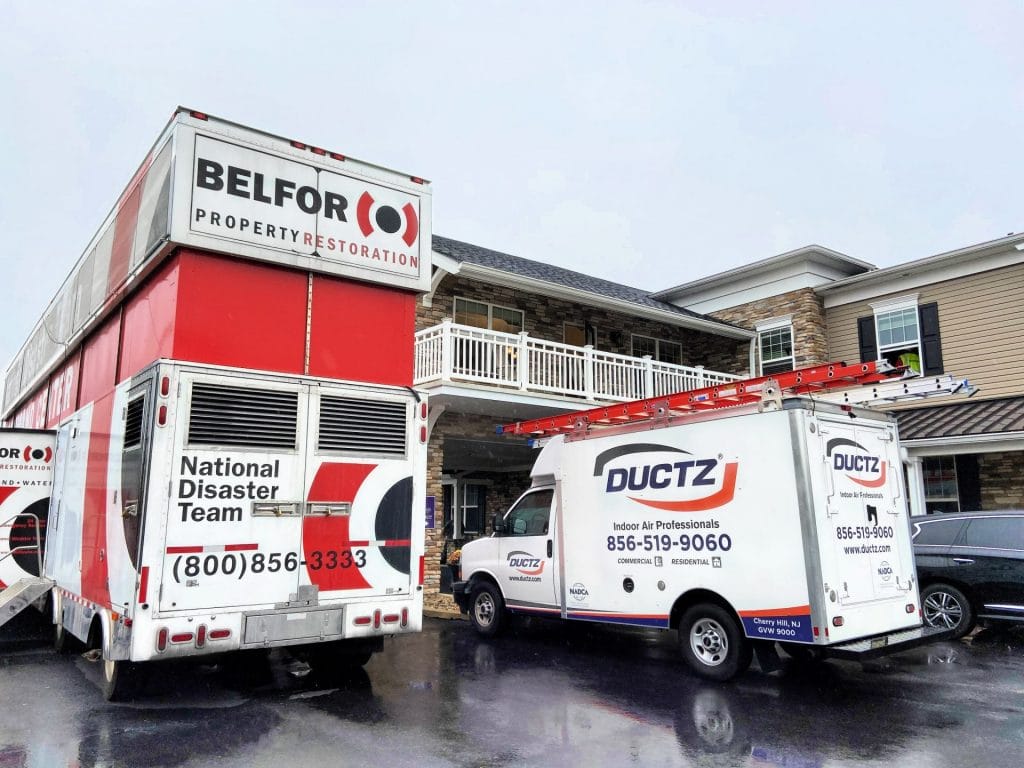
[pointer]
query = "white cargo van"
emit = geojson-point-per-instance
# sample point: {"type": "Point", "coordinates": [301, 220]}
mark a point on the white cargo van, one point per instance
{"type": "Point", "coordinates": [784, 522]}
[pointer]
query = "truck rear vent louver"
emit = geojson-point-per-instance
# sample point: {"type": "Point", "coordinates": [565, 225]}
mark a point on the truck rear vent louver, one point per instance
{"type": "Point", "coordinates": [133, 423]}
{"type": "Point", "coordinates": [349, 424]}
{"type": "Point", "coordinates": [257, 418]}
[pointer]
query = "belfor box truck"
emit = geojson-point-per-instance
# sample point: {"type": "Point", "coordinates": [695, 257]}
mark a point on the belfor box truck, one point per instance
{"type": "Point", "coordinates": [240, 457]}
{"type": "Point", "coordinates": [783, 521]}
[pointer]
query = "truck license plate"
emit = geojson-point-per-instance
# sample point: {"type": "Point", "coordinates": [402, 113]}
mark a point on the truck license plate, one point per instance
{"type": "Point", "coordinates": [879, 642]}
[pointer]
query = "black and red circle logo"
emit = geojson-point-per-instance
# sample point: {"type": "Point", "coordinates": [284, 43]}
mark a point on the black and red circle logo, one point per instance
{"type": "Point", "coordinates": [387, 219]}
{"type": "Point", "coordinates": [31, 454]}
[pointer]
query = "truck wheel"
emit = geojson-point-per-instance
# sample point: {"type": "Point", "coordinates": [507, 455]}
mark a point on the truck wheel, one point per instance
{"type": "Point", "coordinates": [712, 643]}
{"type": "Point", "coordinates": [64, 641]}
{"type": "Point", "coordinates": [946, 607]}
{"type": "Point", "coordinates": [120, 680]}
{"type": "Point", "coordinates": [487, 609]}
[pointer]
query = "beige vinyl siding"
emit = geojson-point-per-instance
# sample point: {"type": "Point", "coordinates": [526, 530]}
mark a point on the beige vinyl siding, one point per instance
{"type": "Point", "coordinates": [981, 322]}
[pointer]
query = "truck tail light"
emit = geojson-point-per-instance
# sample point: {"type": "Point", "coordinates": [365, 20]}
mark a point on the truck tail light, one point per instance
{"type": "Point", "coordinates": [423, 410]}
{"type": "Point", "coordinates": [390, 618]}
{"type": "Point", "coordinates": [837, 621]}
{"type": "Point", "coordinates": [298, 144]}
{"type": "Point", "coordinates": [201, 636]}
{"type": "Point", "coordinates": [405, 617]}
{"type": "Point", "coordinates": [161, 640]}
{"type": "Point", "coordinates": [362, 621]}
{"type": "Point", "coordinates": [220, 634]}
{"type": "Point", "coordinates": [161, 416]}
{"type": "Point", "coordinates": [165, 386]}
{"type": "Point", "coordinates": [423, 434]}
{"type": "Point", "coordinates": [336, 156]}
{"type": "Point", "coordinates": [199, 115]}
{"type": "Point", "coordinates": [416, 179]}
{"type": "Point", "coordinates": [376, 619]}
{"type": "Point", "coordinates": [816, 632]}
{"type": "Point", "coordinates": [181, 637]}
{"type": "Point", "coordinates": [421, 569]}
{"type": "Point", "coordinates": [911, 608]}
{"type": "Point", "coordinates": [318, 151]}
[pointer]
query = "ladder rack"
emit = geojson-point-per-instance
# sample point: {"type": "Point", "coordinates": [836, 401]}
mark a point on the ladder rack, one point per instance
{"type": "Point", "coordinates": [835, 382]}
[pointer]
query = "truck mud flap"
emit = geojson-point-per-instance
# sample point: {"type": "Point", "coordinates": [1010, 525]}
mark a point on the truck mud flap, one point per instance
{"type": "Point", "coordinates": [883, 645]}
{"type": "Point", "coordinates": [285, 627]}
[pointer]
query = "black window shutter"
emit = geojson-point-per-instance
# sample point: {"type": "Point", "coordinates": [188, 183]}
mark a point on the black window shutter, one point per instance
{"type": "Point", "coordinates": [968, 482]}
{"type": "Point", "coordinates": [866, 339]}
{"type": "Point", "coordinates": [931, 345]}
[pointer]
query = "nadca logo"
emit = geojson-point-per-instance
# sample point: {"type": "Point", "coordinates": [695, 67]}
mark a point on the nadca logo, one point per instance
{"type": "Point", "coordinates": [675, 481]}
{"type": "Point", "coordinates": [525, 563]}
{"type": "Point", "coordinates": [578, 592]}
{"type": "Point", "coordinates": [870, 471]}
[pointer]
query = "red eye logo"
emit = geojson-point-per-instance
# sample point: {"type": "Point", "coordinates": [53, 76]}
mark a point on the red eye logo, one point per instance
{"type": "Point", "coordinates": [38, 454]}
{"type": "Point", "coordinates": [387, 219]}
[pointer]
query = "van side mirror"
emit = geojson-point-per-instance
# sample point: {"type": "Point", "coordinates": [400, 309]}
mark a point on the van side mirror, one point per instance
{"type": "Point", "coordinates": [499, 525]}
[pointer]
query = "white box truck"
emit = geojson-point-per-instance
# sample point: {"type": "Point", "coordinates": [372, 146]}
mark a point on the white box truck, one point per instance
{"type": "Point", "coordinates": [782, 522]}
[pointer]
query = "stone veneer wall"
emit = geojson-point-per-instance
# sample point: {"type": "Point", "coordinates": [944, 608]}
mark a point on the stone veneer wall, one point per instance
{"type": "Point", "coordinates": [810, 340]}
{"type": "Point", "coordinates": [544, 318]}
{"type": "Point", "coordinates": [504, 489]}
{"type": "Point", "coordinates": [1001, 477]}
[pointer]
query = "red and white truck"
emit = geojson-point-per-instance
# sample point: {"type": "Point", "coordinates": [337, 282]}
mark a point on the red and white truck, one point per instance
{"type": "Point", "coordinates": [240, 459]}
{"type": "Point", "coordinates": [734, 515]}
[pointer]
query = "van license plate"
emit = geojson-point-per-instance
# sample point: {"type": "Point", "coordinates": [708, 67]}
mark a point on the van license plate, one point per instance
{"type": "Point", "coordinates": [879, 642]}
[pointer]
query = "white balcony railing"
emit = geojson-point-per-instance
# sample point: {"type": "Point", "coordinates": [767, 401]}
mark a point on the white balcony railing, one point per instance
{"type": "Point", "coordinates": [460, 353]}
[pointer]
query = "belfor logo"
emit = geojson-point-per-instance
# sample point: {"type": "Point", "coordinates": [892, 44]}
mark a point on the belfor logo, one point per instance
{"type": "Point", "coordinates": [869, 470]}
{"type": "Point", "coordinates": [387, 219]}
{"type": "Point", "coordinates": [674, 481]}
{"type": "Point", "coordinates": [525, 563]}
{"type": "Point", "coordinates": [28, 454]}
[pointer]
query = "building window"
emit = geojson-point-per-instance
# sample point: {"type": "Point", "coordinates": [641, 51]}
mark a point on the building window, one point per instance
{"type": "Point", "coordinates": [465, 506]}
{"type": "Point", "coordinates": [482, 315]}
{"type": "Point", "coordinates": [940, 486]}
{"type": "Point", "coordinates": [775, 345]}
{"type": "Point", "coordinates": [903, 333]}
{"type": "Point", "coordinates": [659, 349]}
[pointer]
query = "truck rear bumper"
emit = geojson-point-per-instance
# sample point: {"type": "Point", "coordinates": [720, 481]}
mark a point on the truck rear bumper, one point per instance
{"type": "Point", "coordinates": [883, 645]}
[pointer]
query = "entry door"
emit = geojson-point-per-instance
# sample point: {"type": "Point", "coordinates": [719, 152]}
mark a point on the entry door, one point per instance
{"type": "Point", "coordinates": [527, 552]}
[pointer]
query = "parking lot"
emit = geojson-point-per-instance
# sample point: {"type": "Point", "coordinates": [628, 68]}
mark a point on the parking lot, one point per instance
{"type": "Point", "coordinates": [545, 694]}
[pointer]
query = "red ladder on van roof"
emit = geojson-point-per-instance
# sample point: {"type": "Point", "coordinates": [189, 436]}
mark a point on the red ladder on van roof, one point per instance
{"type": "Point", "coordinates": [811, 380]}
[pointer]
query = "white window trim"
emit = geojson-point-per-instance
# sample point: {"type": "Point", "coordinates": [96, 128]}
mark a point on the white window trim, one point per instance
{"type": "Point", "coordinates": [775, 326]}
{"type": "Point", "coordinates": [773, 323]}
{"type": "Point", "coordinates": [909, 301]}
{"type": "Point", "coordinates": [490, 310]}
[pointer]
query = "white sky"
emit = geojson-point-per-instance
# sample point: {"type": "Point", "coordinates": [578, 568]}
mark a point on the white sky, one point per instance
{"type": "Point", "coordinates": [647, 143]}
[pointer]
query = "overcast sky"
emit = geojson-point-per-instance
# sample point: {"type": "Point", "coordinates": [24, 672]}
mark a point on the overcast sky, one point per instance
{"type": "Point", "coordinates": [646, 143]}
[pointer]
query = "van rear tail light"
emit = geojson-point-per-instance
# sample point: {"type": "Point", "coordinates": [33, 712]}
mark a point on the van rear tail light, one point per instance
{"type": "Point", "coordinates": [911, 608]}
{"type": "Point", "coordinates": [423, 434]}
{"type": "Point", "coordinates": [816, 632]}
{"type": "Point", "coordinates": [837, 621]}
{"type": "Point", "coordinates": [362, 621]}
{"type": "Point", "coordinates": [405, 617]}
{"type": "Point", "coordinates": [161, 417]}
{"type": "Point", "coordinates": [220, 634]}
{"type": "Point", "coordinates": [421, 570]}
{"type": "Point", "coordinates": [182, 637]}
{"type": "Point", "coordinates": [390, 618]}
{"type": "Point", "coordinates": [201, 636]}
{"type": "Point", "coordinates": [376, 619]}
{"type": "Point", "coordinates": [165, 386]}
{"type": "Point", "coordinates": [161, 640]}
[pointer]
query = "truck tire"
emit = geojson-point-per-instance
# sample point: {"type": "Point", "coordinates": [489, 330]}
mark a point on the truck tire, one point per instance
{"type": "Point", "coordinates": [946, 607]}
{"type": "Point", "coordinates": [712, 642]}
{"type": "Point", "coordinates": [486, 609]}
{"type": "Point", "coordinates": [64, 641]}
{"type": "Point", "coordinates": [120, 680]}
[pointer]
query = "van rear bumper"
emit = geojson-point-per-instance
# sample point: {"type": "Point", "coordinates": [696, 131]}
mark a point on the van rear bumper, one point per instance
{"type": "Point", "coordinates": [883, 645]}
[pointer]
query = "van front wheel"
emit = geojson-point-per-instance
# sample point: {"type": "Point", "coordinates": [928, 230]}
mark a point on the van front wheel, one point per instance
{"type": "Point", "coordinates": [712, 642]}
{"type": "Point", "coordinates": [487, 609]}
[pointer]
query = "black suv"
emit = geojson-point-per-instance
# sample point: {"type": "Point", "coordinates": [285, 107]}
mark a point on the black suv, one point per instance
{"type": "Point", "coordinates": [971, 567]}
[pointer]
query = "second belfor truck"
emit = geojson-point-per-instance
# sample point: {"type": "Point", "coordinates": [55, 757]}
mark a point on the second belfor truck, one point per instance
{"type": "Point", "coordinates": [737, 516]}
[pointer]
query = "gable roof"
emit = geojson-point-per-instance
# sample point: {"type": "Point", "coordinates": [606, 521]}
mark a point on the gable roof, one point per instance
{"type": "Point", "coordinates": [536, 275]}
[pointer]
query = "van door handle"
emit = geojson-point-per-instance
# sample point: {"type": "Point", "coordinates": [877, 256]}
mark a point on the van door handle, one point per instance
{"type": "Point", "coordinates": [964, 560]}
{"type": "Point", "coordinates": [550, 548]}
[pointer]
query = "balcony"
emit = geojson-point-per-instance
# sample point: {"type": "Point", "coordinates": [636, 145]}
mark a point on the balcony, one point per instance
{"type": "Point", "coordinates": [450, 353]}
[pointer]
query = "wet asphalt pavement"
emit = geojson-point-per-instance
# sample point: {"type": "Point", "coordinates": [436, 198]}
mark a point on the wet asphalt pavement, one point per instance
{"type": "Point", "coordinates": [544, 695]}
